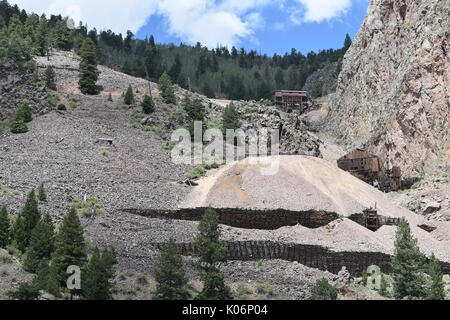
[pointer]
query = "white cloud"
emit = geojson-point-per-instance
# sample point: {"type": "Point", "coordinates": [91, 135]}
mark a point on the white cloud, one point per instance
{"type": "Point", "coordinates": [320, 10]}
{"type": "Point", "coordinates": [210, 22]}
{"type": "Point", "coordinates": [204, 21]}
{"type": "Point", "coordinates": [116, 15]}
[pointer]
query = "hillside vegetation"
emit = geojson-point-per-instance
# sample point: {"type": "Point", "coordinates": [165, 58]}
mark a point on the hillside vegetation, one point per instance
{"type": "Point", "coordinates": [221, 72]}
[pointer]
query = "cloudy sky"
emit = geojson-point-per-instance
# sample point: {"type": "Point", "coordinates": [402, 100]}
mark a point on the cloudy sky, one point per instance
{"type": "Point", "coordinates": [268, 26]}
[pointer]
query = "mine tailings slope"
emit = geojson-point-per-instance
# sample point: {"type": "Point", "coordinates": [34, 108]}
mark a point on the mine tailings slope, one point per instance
{"type": "Point", "coordinates": [302, 185]}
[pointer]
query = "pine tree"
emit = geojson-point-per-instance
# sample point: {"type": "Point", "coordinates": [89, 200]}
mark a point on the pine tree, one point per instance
{"type": "Point", "coordinates": [279, 79]}
{"type": "Point", "coordinates": [31, 215]}
{"type": "Point", "coordinates": [88, 68]}
{"type": "Point", "coordinates": [70, 246]}
{"type": "Point", "coordinates": [19, 234]}
{"type": "Point", "coordinates": [347, 42]}
{"type": "Point", "coordinates": [24, 113]}
{"type": "Point", "coordinates": [50, 76]}
{"type": "Point", "coordinates": [323, 290]}
{"type": "Point", "coordinates": [63, 36]}
{"type": "Point", "coordinates": [5, 228]}
{"type": "Point", "coordinates": [208, 91]}
{"type": "Point", "coordinates": [46, 279]}
{"type": "Point", "coordinates": [166, 87]}
{"type": "Point", "coordinates": [148, 106]}
{"type": "Point", "coordinates": [129, 96]}
{"type": "Point", "coordinates": [42, 196]}
{"type": "Point", "coordinates": [170, 275]}
{"type": "Point", "coordinates": [408, 265]}
{"type": "Point", "coordinates": [42, 36]}
{"type": "Point", "coordinates": [25, 292]}
{"type": "Point", "coordinates": [41, 246]}
{"type": "Point", "coordinates": [176, 68]}
{"type": "Point", "coordinates": [317, 90]}
{"type": "Point", "coordinates": [436, 290]}
{"type": "Point", "coordinates": [196, 112]}
{"type": "Point", "coordinates": [211, 254]}
{"type": "Point", "coordinates": [97, 276]}
{"type": "Point", "coordinates": [230, 118]}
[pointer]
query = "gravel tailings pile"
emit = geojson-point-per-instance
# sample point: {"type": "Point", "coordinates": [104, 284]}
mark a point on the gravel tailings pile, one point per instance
{"type": "Point", "coordinates": [306, 183]}
{"type": "Point", "coordinates": [301, 184]}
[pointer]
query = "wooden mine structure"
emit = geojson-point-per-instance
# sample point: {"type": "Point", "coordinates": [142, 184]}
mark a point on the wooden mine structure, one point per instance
{"type": "Point", "coordinates": [369, 168]}
{"type": "Point", "coordinates": [291, 101]}
{"type": "Point", "coordinates": [371, 220]}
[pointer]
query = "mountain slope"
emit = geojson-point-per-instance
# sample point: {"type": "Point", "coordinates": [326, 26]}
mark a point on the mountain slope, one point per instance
{"type": "Point", "coordinates": [393, 95]}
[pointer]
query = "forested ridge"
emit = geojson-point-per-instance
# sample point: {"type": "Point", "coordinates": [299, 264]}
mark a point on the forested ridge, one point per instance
{"type": "Point", "coordinates": [221, 72]}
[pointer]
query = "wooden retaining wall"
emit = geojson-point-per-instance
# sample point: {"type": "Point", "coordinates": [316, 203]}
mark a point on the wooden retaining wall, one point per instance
{"type": "Point", "coordinates": [309, 255]}
{"type": "Point", "coordinates": [246, 218]}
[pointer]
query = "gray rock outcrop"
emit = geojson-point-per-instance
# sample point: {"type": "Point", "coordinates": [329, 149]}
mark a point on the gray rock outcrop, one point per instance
{"type": "Point", "coordinates": [393, 94]}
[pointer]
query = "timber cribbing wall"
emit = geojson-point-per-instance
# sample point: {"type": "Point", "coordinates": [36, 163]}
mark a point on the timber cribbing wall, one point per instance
{"type": "Point", "coordinates": [247, 218]}
{"type": "Point", "coordinates": [309, 255]}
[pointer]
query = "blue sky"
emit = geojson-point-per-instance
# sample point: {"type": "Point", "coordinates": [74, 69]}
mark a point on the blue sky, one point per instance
{"type": "Point", "coordinates": [268, 26]}
{"type": "Point", "coordinates": [278, 34]}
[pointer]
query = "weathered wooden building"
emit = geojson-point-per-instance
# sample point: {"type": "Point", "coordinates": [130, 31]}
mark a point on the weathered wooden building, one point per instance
{"type": "Point", "coordinates": [291, 101]}
{"type": "Point", "coordinates": [369, 168]}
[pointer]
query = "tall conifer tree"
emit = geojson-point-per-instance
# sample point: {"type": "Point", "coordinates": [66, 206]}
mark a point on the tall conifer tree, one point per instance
{"type": "Point", "coordinates": [97, 276]}
{"type": "Point", "coordinates": [172, 281]}
{"type": "Point", "coordinates": [211, 254]}
{"type": "Point", "coordinates": [436, 289]}
{"type": "Point", "coordinates": [166, 87]}
{"type": "Point", "coordinates": [70, 245]}
{"type": "Point", "coordinates": [5, 228]}
{"type": "Point", "coordinates": [41, 246]}
{"type": "Point", "coordinates": [88, 68]}
{"type": "Point", "coordinates": [408, 265]}
{"type": "Point", "coordinates": [31, 215]}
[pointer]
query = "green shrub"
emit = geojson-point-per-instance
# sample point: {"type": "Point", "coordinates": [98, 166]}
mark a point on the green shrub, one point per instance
{"type": "Point", "coordinates": [214, 165]}
{"type": "Point", "coordinates": [243, 292]}
{"type": "Point", "coordinates": [62, 107]}
{"type": "Point", "coordinates": [196, 173]}
{"type": "Point", "coordinates": [25, 292]}
{"type": "Point", "coordinates": [383, 286]}
{"type": "Point", "coordinates": [323, 290]}
{"type": "Point", "coordinates": [14, 251]}
{"type": "Point", "coordinates": [264, 289]}
{"type": "Point", "coordinates": [364, 279]}
{"type": "Point", "coordinates": [8, 192]}
{"type": "Point", "coordinates": [90, 207]}
{"type": "Point", "coordinates": [24, 113]}
{"type": "Point", "coordinates": [5, 257]}
{"type": "Point", "coordinates": [18, 126]}
{"type": "Point", "coordinates": [53, 99]}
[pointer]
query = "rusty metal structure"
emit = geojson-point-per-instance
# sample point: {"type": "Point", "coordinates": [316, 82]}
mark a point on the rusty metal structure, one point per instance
{"type": "Point", "coordinates": [291, 101]}
{"type": "Point", "coordinates": [369, 168]}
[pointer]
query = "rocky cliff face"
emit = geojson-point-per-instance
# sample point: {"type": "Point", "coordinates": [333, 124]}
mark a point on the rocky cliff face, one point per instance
{"type": "Point", "coordinates": [393, 94]}
{"type": "Point", "coordinates": [325, 78]}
